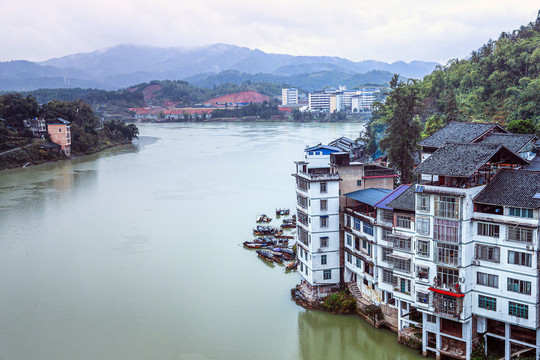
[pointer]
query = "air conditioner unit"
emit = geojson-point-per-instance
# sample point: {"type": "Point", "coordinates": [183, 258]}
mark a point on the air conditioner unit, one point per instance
{"type": "Point", "coordinates": [529, 247]}
{"type": "Point", "coordinates": [461, 280]}
{"type": "Point", "coordinates": [319, 250]}
{"type": "Point", "coordinates": [475, 262]}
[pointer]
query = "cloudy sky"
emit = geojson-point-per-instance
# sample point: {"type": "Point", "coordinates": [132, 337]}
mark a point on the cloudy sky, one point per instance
{"type": "Point", "coordinates": [387, 30]}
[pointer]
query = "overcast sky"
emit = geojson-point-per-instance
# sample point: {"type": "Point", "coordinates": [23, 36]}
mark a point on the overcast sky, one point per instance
{"type": "Point", "coordinates": [387, 30]}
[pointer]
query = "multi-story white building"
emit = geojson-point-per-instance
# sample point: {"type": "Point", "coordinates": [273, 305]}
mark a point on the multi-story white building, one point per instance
{"type": "Point", "coordinates": [317, 194]}
{"type": "Point", "coordinates": [289, 97]}
{"type": "Point", "coordinates": [319, 101]}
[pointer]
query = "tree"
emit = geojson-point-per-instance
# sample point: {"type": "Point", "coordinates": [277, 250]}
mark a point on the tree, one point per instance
{"type": "Point", "coordinates": [403, 127]}
{"type": "Point", "coordinates": [521, 127]}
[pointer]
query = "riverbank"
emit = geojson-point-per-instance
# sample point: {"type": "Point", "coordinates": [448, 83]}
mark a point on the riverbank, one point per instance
{"type": "Point", "coordinates": [32, 154]}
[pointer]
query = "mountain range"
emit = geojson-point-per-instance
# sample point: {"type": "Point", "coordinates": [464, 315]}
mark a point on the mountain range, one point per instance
{"type": "Point", "coordinates": [125, 65]}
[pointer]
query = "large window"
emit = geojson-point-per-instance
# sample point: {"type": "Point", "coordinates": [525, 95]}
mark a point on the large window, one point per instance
{"type": "Point", "coordinates": [487, 279]}
{"type": "Point", "coordinates": [385, 233]}
{"type": "Point", "coordinates": [401, 242]}
{"type": "Point", "coordinates": [519, 258]}
{"type": "Point", "coordinates": [521, 212]}
{"type": "Point", "coordinates": [324, 187]}
{"type": "Point", "coordinates": [519, 310]}
{"type": "Point", "coordinates": [422, 202]}
{"type": "Point", "coordinates": [303, 235]}
{"type": "Point", "coordinates": [357, 224]}
{"type": "Point", "coordinates": [323, 259]}
{"type": "Point", "coordinates": [389, 278]}
{"type": "Point", "coordinates": [516, 233]}
{"type": "Point", "coordinates": [327, 274]}
{"type": "Point", "coordinates": [403, 221]}
{"type": "Point", "coordinates": [402, 264]}
{"type": "Point", "coordinates": [489, 253]}
{"type": "Point", "coordinates": [491, 230]}
{"type": "Point", "coordinates": [388, 216]}
{"type": "Point", "coordinates": [324, 221]}
{"type": "Point", "coordinates": [324, 205]}
{"type": "Point", "coordinates": [301, 201]}
{"type": "Point", "coordinates": [447, 207]}
{"type": "Point", "coordinates": [302, 184]}
{"type": "Point", "coordinates": [422, 298]}
{"type": "Point", "coordinates": [446, 230]}
{"type": "Point", "coordinates": [422, 225]}
{"type": "Point", "coordinates": [367, 228]}
{"type": "Point", "coordinates": [302, 217]}
{"type": "Point", "coordinates": [519, 286]}
{"type": "Point", "coordinates": [423, 247]}
{"type": "Point", "coordinates": [487, 303]}
{"type": "Point", "coordinates": [324, 241]}
{"type": "Point", "coordinates": [447, 277]}
{"type": "Point", "coordinates": [385, 252]}
{"type": "Point", "coordinates": [447, 254]}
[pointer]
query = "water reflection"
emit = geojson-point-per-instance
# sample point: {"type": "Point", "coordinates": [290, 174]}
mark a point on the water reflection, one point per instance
{"type": "Point", "coordinates": [326, 336]}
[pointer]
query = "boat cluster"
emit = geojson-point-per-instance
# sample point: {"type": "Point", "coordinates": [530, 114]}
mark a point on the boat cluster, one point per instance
{"type": "Point", "coordinates": [272, 242]}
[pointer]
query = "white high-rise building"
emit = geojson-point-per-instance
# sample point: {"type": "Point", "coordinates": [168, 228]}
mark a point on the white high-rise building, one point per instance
{"type": "Point", "coordinates": [289, 97]}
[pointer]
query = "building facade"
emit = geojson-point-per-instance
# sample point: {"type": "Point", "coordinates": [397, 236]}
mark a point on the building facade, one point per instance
{"type": "Point", "coordinates": [289, 97]}
{"type": "Point", "coordinates": [60, 133]}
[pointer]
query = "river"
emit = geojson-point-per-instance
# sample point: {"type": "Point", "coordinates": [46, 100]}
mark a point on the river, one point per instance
{"type": "Point", "coordinates": [135, 253]}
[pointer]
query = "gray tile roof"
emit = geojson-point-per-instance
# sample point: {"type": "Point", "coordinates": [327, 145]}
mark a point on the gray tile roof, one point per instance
{"type": "Point", "coordinates": [513, 142]}
{"type": "Point", "coordinates": [463, 132]}
{"type": "Point", "coordinates": [463, 160]}
{"type": "Point", "coordinates": [405, 201]}
{"type": "Point", "coordinates": [515, 188]}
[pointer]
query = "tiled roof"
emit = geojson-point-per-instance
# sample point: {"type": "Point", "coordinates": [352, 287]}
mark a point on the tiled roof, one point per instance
{"type": "Point", "coordinates": [515, 188]}
{"type": "Point", "coordinates": [463, 160]}
{"type": "Point", "coordinates": [394, 194]}
{"type": "Point", "coordinates": [463, 132]}
{"type": "Point", "coordinates": [369, 196]}
{"type": "Point", "coordinates": [405, 201]}
{"type": "Point", "coordinates": [325, 147]}
{"type": "Point", "coordinates": [513, 142]}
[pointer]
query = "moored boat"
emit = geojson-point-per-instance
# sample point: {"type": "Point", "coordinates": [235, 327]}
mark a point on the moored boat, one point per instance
{"type": "Point", "coordinates": [255, 245]}
{"type": "Point", "coordinates": [282, 212]}
{"type": "Point", "coordinates": [263, 218]}
{"type": "Point", "coordinates": [291, 266]}
{"type": "Point", "coordinates": [265, 255]}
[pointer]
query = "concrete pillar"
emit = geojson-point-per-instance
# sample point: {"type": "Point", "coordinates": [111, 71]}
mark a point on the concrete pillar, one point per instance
{"type": "Point", "coordinates": [424, 335]}
{"type": "Point", "coordinates": [507, 347]}
{"type": "Point", "coordinates": [537, 343]}
{"type": "Point", "coordinates": [467, 337]}
{"type": "Point", "coordinates": [438, 336]}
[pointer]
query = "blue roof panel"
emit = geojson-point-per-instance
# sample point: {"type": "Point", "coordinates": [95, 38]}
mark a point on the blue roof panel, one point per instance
{"type": "Point", "coordinates": [369, 196]}
{"type": "Point", "coordinates": [394, 194]}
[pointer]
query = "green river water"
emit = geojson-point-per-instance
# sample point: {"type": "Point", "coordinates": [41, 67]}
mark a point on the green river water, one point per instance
{"type": "Point", "coordinates": [135, 253]}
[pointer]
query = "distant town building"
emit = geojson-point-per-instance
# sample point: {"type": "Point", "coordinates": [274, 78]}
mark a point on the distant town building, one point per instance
{"type": "Point", "coordinates": [363, 99]}
{"type": "Point", "coordinates": [289, 97]}
{"type": "Point", "coordinates": [36, 125]}
{"type": "Point", "coordinates": [60, 132]}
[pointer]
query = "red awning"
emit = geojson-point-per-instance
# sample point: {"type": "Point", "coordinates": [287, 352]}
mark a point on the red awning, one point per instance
{"type": "Point", "coordinates": [444, 292]}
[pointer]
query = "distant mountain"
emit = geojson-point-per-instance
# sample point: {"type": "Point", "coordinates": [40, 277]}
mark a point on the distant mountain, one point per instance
{"type": "Point", "coordinates": [125, 65]}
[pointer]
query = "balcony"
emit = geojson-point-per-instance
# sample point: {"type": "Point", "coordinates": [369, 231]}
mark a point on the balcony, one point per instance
{"type": "Point", "coordinates": [448, 304]}
{"type": "Point", "coordinates": [318, 174]}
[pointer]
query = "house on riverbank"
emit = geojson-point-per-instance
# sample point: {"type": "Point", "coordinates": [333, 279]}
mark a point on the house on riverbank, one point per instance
{"type": "Point", "coordinates": [453, 260]}
{"type": "Point", "coordinates": [60, 132]}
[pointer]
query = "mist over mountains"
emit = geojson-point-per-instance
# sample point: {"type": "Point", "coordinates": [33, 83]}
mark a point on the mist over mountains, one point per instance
{"type": "Point", "coordinates": [126, 65]}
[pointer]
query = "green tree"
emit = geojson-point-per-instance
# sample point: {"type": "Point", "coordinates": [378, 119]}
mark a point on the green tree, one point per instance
{"type": "Point", "coordinates": [403, 127]}
{"type": "Point", "coordinates": [521, 127]}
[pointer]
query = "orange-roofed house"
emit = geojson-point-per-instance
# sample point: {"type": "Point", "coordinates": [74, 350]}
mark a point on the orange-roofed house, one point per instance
{"type": "Point", "coordinates": [60, 133]}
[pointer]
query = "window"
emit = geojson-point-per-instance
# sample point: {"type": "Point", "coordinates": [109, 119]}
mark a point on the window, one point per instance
{"type": "Point", "coordinates": [302, 184]}
{"type": "Point", "coordinates": [358, 263]}
{"type": "Point", "coordinates": [303, 235]}
{"type": "Point", "coordinates": [402, 264]}
{"type": "Point", "coordinates": [446, 230]}
{"type": "Point", "coordinates": [323, 259]}
{"type": "Point", "coordinates": [357, 224]}
{"type": "Point", "coordinates": [324, 205]}
{"type": "Point", "coordinates": [448, 254]}
{"type": "Point", "coordinates": [349, 257]}
{"type": "Point", "coordinates": [324, 241]}
{"type": "Point", "coordinates": [367, 228]}
{"type": "Point", "coordinates": [385, 252]}
{"type": "Point", "coordinates": [519, 310]}
{"type": "Point", "coordinates": [401, 242]}
{"type": "Point", "coordinates": [422, 225]}
{"type": "Point", "coordinates": [487, 303]}
{"type": "Point", "coordinates": [528, 213]}
{"type": "Point", "coordinates": [423, 247]}
{"type": "Point", "coordinates": [323, 187]}
{"type": "Point", "coordinates": [403, 221]}
{"type": "Point", "coordinates": [405, 286]}
{"type": "Point", "coordinates": [423, 202]}
{"type": "Point", "coordinates": [388, 277]}
{"type": "Point", "coordinates": [388, 216]}
{"type": "Point", "coordinates": [422, 272]}
{"type": "Point", "coordinates": [519, 286]}
{"type": "Point", "coordinates": [516, 233]}
{"type": "Point", "coordinates": [358, 182]}
{"type": "Point", "coordinates": [385, 233]}
{"type": "Point", "coordinates": [348, 220]}
{"type": "Point", "coordinates": [349, 239]}
{"type": "Point", "coordinates": [422, 298]}
{"type": "Point", "coordinates": [519, 258]}
{"type": "Point", "coordinates": [489, 253]}
{"type": "Point", "coordinates": [491, 230]}
{"type": "Point", "coordinates": [324, 221]}
{"type": "Point", "coordinates": [302, 217]}
{"type": "Point", "coordinates": [487, 279]}
{"type": "Point", "coordinates": [446, 277]}
{"type": "Point", "coordinates": [301, 201]}
{"type": "Point", "coordinates": [366, 245]}
{"type": "Point", "coordinates": [431, 318]}
{"type": "Point", "coordinates": [447, 207]}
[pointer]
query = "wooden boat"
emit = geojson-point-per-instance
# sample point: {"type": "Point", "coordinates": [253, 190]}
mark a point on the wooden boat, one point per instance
{"type": "Point", "coordinates": [266, 230]}
{"type": "Point", "coordinates": [287, 254]}
{"type": "Point", "coordinates": [281, 212]}
{"type": "Point", "coordinates": [255, 245]}
{"type": "Point", "coordinates": [276, 256]}
{"type": "Point", "coordinates": [281, 236]}
{"type": "Point", "coordinates": [291, 266]}
{"type": "Point", "coordinates": [263, 219]}
{"type": "Point", "coordinates": [288, 226]}
{"type": "Point", "coordinates": [265, 255]}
